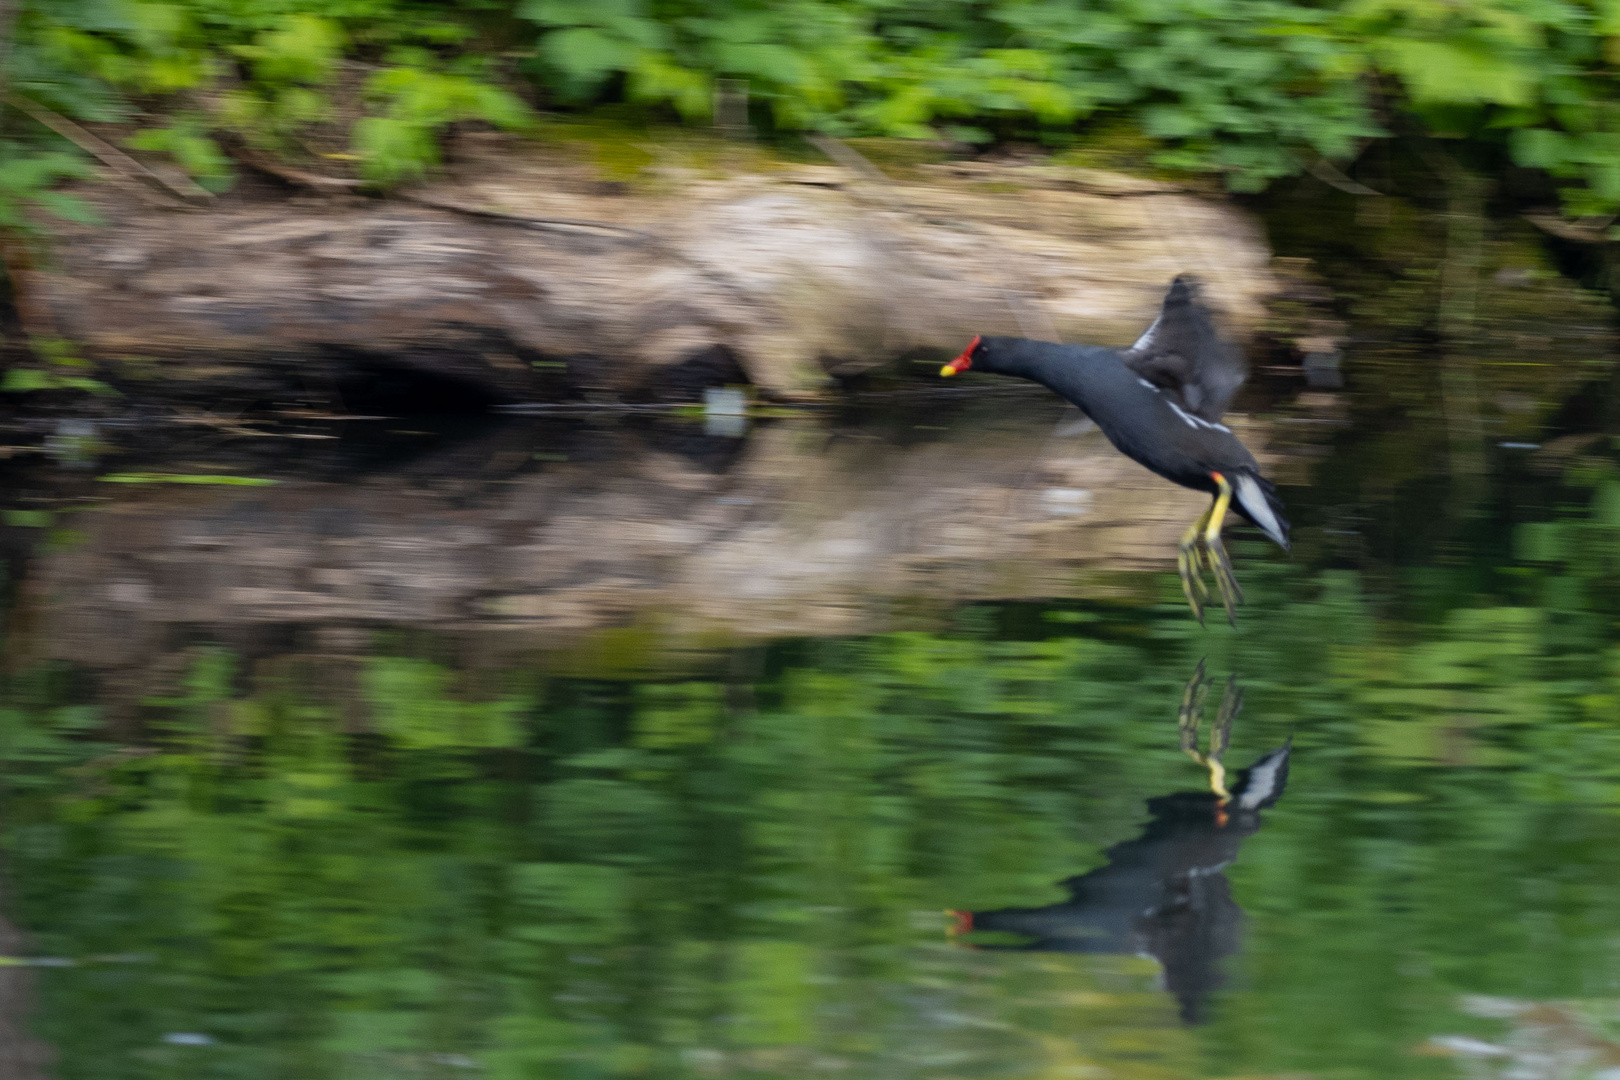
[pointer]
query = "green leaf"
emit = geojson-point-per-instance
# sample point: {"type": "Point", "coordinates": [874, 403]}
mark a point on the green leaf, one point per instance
{"type": "Point", "coordinates": [1539, 148]}
{"type": "Point", "coordinates": [183, 478]}
{"type": "Point", "coordinates": [1457, 72]}
{"type": "Point", "coordinates": [25, 380]}
{"type": "Point", "coordinates": [303, 48]}
{"type": "Point", "coordinates": [585, 55]}
{"type": "Point", "coordinates": [67, 207]}
{"type": "Point", "coordinates": [196, 152]}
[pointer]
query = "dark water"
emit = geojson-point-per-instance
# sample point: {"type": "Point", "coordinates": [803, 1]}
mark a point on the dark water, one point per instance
{"type": "Point", "coordinates": [512, 756]}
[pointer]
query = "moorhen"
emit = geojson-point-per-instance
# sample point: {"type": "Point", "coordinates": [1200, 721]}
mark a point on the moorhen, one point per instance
{"type": "Point", "coordinates": [1160, 403]}
{"type": "Point", "coordinates": [1164, 893]}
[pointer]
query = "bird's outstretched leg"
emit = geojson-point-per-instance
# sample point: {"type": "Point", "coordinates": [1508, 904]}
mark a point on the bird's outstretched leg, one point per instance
{"type": "Point", "coordinates": [1190, 563]}
{"type": "Point", "coordinates": [1214, 552]}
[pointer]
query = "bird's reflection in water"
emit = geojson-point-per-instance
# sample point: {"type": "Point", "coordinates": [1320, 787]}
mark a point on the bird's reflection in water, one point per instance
{"type": "Point", "coordinates": [1165, 893]}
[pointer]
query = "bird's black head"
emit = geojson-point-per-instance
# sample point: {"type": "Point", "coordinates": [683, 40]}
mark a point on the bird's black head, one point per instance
{"type": "Point", "coordinates": [1021, 357]}
{"type": "Point", "coordinates": [1184, 289]}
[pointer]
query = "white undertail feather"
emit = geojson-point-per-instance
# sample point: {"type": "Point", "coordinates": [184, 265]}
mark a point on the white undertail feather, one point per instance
{"type": "Point", "coordinates": [1265, 780]}
{"type": "Point", "coordinates": [1252, 497]}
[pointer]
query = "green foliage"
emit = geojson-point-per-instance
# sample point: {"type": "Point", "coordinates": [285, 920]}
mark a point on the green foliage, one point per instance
{"type": "Point", "coordinates": [185, 140]}
{"type": "Point", "coordinates": [265, 71]}
{"type": "Point", "coordinates": [1247, 89]}
{"type": "Point", "coordinates": [1536, 76]}
{"type": "Point", "coordinates": [303, 48]}
{"type": "Point", "coordinates": [26, 179]}
{"type": "Point", "coordinates": [185, 478]}
{"type": "Point", "coordinates": [289, 64]}
{"type": "Point", "coordinates": [1215, 81]}
{"type": "Point", "coordinates": [57, 366]}
{"type": "Point", "coordinates": [416, 103]}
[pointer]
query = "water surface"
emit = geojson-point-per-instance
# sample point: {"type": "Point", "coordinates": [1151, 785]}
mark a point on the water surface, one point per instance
{"type": "Point", "coordinates": [604, 747]}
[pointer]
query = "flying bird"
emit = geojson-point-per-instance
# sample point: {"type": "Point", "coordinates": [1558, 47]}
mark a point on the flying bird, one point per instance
{"type": "Point", "coordinates": [1160, 403]}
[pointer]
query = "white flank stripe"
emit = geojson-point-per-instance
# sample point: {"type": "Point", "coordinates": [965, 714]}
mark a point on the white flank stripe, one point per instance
{"type": "Point", "coordinates": [1255, 505]}
{"type": "Point", "coordinates": [1196, 421]}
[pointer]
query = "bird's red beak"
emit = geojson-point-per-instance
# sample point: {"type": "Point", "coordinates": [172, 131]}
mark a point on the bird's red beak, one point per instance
{"type": "Point", "coordinates": [961, 923]}
{"type": "Point", "coordinates": [963, 362]}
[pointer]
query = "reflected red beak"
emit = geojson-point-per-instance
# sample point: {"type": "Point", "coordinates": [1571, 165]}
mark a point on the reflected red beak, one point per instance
{"type": "Point", "coordinates": [963, 362]}
{"type": "Point", "coordinates": [961, 923]}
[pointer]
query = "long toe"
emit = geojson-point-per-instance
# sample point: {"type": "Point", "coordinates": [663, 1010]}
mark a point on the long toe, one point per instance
{"type": "Point", "coordinates": [1231, 593]}
{"type": "Point", "coordinates": [1226, 571]}
{"type": "Point", "coordinates": [1192, 583]}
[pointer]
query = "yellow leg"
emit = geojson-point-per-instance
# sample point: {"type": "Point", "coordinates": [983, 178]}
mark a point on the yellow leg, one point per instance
{"type": "Point", "coordinates": [1190, 563]}
{"type": "Point", "coordinates": [1215, 517]}
{"type": "Point", "coordinates": [1215, 551]}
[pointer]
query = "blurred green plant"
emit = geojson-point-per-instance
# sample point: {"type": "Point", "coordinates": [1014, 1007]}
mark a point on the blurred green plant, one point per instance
{"type": "Point", "coordinates": [26, 180]}
{"type": "Point", "coordinates": [1214, 81]}
{"type": "Point", "coordinates": [416, 104]}
{"type": "Point", "coordinates": [185, 139]}
{"type": "Point", "coordinates": [185, 478]}
{"type": "Point", "coordinates": [1247, 89]}
{"type": "Point", "coordinates": [263, 71]}
{"type": "Point", "coordinates": [55, 365]}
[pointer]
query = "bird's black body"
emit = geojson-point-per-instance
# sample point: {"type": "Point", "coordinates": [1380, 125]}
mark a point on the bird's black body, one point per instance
{"type": "Point", "coordinates": [1162, 893]}
{"type": "Point", "coordinates": [1145, 422]}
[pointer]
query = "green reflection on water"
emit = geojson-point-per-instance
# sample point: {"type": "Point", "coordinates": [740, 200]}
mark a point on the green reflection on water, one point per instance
{"type": "Point", "coordinates": [389, 864]}
{"type": "Point", "coordinates": [378, 866]}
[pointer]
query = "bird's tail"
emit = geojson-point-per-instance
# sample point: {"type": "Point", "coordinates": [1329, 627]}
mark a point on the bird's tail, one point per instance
{"type": "Point", "coordinates": [1257, 498]}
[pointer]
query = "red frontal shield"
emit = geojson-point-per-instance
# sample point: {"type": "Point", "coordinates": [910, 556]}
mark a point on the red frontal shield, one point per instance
{"type": "Point", "coordinates": [963, 362]}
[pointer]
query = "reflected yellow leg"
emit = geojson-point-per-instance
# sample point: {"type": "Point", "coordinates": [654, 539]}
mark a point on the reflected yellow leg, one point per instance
{"type": "Point", "coordinates": [1192, 712]}
{"type": "Point", "coordinates": [1220, 737]}
{"type": "Point", "coordinates": [1189, 719]}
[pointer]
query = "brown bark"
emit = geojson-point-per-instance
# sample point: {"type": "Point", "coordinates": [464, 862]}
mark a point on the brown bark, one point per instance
{"type": "Point", "coordinates": [793, 270]}
{"type": "Point", "coordinates": [17, 261]}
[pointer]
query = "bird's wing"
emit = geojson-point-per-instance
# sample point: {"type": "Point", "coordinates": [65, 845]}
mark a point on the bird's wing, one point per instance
{"type": "Point", "coordinates": [1184, 353]}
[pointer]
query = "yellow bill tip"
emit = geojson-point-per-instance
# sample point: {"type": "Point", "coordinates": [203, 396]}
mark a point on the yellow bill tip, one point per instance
{"type": "Point", "coordinates": [947, 370]}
